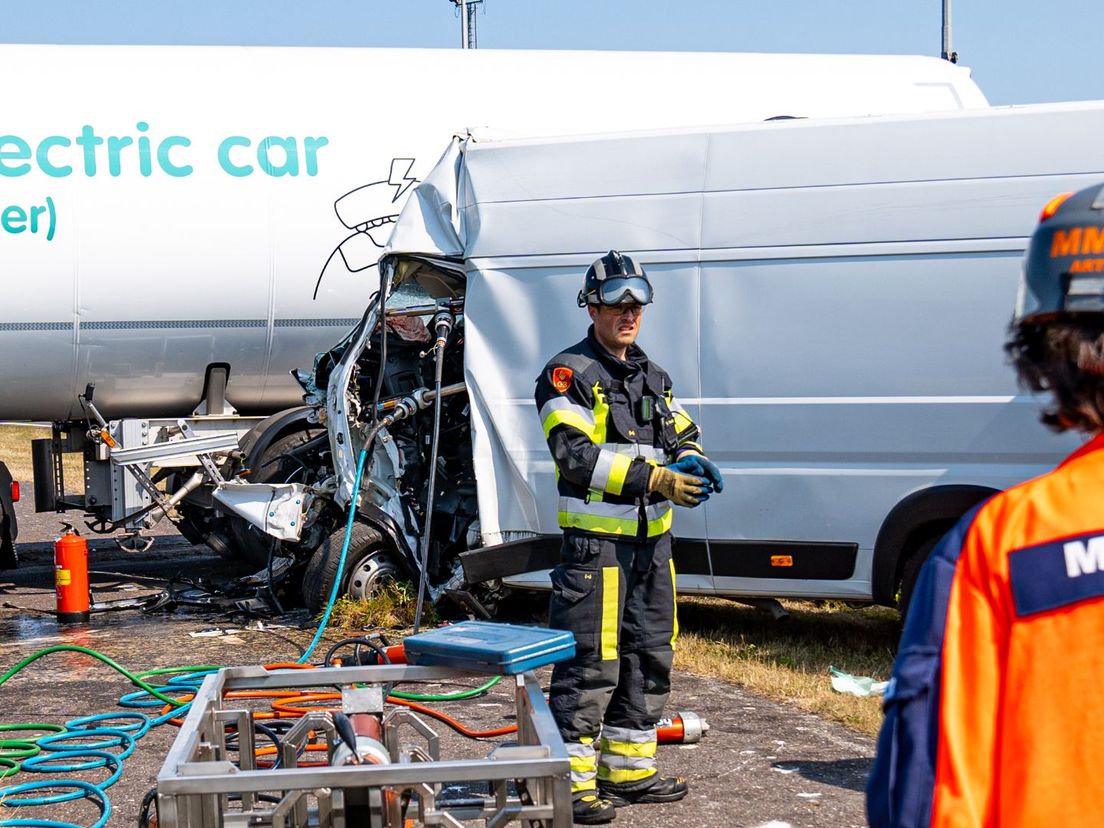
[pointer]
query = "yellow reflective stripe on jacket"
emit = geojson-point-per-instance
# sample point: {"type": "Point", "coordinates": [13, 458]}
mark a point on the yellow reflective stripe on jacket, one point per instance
{"type": "Point", "coordinates": [610, 470]}
{"type": "Point", "coordinates": [620, 471]}
{"type": "Point", "coordinates": [662, 523]}
{"type": "Point", "coordinates": [559, 411]}
{"type": "Point", "coordinates": [613, 518]}
{"type": "Point", "coordinates": [600, 413]}
{"type": "Point", "coordinates": [682, 419]}
{"type": "Point", "coordinates": [614, 526]}
{"type": "Point", "coordinates": [592, 523]}
{"type": "Point", "coordinates": [611, 576]}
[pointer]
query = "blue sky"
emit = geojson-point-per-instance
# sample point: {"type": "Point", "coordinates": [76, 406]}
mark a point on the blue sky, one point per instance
{"type": "Point", "coordinates": [1021, 51]}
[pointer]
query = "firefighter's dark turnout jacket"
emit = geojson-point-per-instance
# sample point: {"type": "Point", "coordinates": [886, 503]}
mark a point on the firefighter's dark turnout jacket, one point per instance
{"type": "Point", "coordinates": [608, 423]}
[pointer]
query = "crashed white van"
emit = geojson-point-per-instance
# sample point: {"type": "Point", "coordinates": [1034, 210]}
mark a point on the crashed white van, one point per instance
{"type": "Point", "coordinates": [831, 301]}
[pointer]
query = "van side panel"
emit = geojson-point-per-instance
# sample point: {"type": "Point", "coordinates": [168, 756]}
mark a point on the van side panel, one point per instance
{"type": "Point", "coordinates": [835, 387]}
{"type": "Point", "coordinates": [839, 302]}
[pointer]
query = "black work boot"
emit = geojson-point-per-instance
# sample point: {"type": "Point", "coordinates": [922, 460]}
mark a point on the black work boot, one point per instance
{"type": "Point", "coordinates": [588, 808]}
{"type": "Point", "coordinates": [664, 789]}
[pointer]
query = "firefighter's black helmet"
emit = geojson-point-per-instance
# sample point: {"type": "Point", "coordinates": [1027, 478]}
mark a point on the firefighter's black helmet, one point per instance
{"type": "Point", "coordinates": [1063, 273]}
{"type": "Point", "coordinates": [615, 279]}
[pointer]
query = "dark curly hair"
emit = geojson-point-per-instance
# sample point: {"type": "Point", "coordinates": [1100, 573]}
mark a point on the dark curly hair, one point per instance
{"type": "Point", "coordinates": [1066, 358]}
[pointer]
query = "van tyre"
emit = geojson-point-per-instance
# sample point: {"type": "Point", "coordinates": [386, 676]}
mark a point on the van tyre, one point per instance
{"type": "Point", "coordinates": [914, 563]}
{"type": "Point", "coordinates": [369, 562]}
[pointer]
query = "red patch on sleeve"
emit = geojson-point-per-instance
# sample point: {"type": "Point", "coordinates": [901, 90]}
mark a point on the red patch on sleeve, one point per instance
{"type": "Point", "coordinates": [561, 378]}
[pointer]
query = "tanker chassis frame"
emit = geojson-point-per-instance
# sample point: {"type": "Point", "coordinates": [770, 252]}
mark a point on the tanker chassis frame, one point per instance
{"type": "Point", "coordinates": [125, 461]}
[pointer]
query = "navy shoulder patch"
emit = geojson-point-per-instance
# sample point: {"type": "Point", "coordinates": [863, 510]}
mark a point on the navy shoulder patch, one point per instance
{"type": "Point", "coordinates": [578, 363]}
{"type": "Point", "coordinates": [1057, 574]}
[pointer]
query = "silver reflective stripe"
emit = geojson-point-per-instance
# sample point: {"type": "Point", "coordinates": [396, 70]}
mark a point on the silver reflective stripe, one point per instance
{"type": "Point", "coordinates": [627, 734]}
{"type": "Point", "coordinates": [599, 478]}
{"type": "Point", "coordinates": [615, 761]}
{"type": "Point", "coordinates": [636, 450]}
{"type": "Point", "coordinates": [562, 404]}
{"type": "Point", "coordinates": [599, 508]}
{"type": "Point", "coordinates": [584, 765]}
{"type": "Point", "coordinates": [657, 510]}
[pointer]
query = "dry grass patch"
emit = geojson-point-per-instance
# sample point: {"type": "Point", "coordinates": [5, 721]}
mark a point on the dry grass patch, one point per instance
{"type": "Point", "coordinates": [391, 607]}
{"type": "Point", "coordinates": [788, 660]}
{"type": "Point", "coordinates": [15, 452]}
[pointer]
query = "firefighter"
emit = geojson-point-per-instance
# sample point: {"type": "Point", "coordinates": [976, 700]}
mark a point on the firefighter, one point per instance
{"type": "Point", "coordinates": [994, 714]}
{"type": "Point", "coordinates": [625, 451]}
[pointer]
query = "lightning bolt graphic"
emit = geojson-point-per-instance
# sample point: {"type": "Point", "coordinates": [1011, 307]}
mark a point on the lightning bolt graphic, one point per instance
{"type": "Point", "coordinates": [400, 176]}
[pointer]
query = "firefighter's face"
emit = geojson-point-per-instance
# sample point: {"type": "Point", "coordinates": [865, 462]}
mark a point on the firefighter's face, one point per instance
{"type": "Point", "coordinates": [616, 327]}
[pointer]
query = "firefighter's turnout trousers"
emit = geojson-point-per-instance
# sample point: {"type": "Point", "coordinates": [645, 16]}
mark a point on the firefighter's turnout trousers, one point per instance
{"type": "Point", "coordinates": [608, 423]}
{"type": "Point", "coordinates": [618, 598]}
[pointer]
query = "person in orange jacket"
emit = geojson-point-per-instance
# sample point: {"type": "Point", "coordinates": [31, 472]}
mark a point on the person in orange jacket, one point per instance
{"type": "Point", "coordinates": [994, 714]}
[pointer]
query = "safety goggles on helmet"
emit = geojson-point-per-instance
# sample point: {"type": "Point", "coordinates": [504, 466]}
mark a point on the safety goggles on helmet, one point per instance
{"type": "Point", "coordinates": [631, 290]}
{"type": "Point", "coordinates": [615, 279]}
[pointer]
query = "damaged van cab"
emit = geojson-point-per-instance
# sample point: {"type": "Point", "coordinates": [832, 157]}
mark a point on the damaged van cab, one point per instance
{"type": "Point", "coordinates": [831, 298]}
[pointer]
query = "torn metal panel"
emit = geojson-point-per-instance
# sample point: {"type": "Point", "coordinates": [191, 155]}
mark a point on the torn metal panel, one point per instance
{"type": "Point", "coordinates": [275, 508]}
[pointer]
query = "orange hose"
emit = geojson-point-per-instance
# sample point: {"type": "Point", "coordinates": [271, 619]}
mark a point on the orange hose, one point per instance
{"type": "Point", "coordinates": [290, 704]}
{"type": "Point", "coordinates": [293, 705]}
{"type": "Point", "coordinates": [269, 750]}
{"type": "Point", "coordinates": [453, 723]}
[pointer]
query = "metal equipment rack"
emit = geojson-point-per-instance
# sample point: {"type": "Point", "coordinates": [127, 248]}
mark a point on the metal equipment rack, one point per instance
{"type": "Point", "coordinates": [197, 780]}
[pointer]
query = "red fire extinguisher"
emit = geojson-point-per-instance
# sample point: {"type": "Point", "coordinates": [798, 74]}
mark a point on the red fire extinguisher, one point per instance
{"type": "Point", "coordinates": [71, 577]}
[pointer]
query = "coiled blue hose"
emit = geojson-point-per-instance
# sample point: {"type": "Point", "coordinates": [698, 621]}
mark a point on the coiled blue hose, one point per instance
{"type": "Point", "coordinates": [87, 790]}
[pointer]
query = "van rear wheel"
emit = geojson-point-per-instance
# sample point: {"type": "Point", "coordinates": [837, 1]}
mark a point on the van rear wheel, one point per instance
{"type": "Point", "coordinates": [369, 563]}
{"type": "Point", "coordinates": [910, 572]}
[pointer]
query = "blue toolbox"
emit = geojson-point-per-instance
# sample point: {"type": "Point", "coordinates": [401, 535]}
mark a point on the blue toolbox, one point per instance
{"type": "Point", "coordinates": [502, 649]}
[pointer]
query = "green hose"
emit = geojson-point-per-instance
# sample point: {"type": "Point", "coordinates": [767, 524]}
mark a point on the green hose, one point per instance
{"type": "Point", "coordinates": [193, 668]}
{"type": "Point", "coordinates": [460, 695]}
{"type": "Point", "coordinates": [153, 691]}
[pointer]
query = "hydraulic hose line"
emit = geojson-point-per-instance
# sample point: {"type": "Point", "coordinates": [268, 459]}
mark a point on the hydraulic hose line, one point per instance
{"type": "Point", "coordinates": [442, 323]}
{"type": "Point", "coordinates": [340, 571]}
{"type": "Point", "coordinates": [74, 649]}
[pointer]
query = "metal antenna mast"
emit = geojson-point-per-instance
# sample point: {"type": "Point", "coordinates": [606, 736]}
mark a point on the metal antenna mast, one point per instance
{"type": "Point", "coordinates": [948, 53]}
{"type": "Point", "coordinates": [467, 21]}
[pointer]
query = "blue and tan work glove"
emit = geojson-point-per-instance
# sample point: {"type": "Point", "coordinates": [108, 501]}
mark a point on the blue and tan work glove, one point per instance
{"type": "Point", "coordinates": [680, 488]}
{"type": "Point", "coordinates": [691, 462]}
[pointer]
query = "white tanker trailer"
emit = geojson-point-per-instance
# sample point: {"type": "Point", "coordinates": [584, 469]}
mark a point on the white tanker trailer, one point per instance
{"type": "Point", "coordinates": [170, 220]}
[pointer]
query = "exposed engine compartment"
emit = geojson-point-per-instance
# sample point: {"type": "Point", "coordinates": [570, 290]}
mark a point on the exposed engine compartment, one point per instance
{"type": "Point", "coordinates": [408, 369]}
{"type": "Point", "coordinates": [377, 389]}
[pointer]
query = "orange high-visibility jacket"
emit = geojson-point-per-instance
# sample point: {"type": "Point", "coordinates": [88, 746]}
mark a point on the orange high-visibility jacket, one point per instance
{"type": "Point", "coordinates": [995, 710]}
